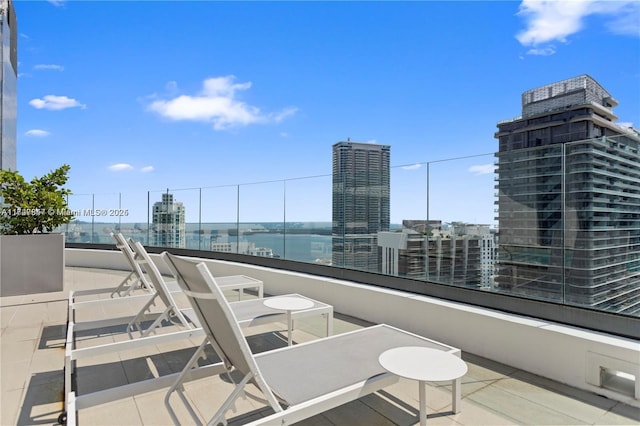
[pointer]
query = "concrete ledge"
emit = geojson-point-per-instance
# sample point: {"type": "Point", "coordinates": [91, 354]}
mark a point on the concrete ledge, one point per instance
{"type": "Point", "coordinates": [558, 352]}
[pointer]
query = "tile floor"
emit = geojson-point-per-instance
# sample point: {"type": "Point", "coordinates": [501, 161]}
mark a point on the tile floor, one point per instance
{"type": "Point", "coordinates": [32, 382]}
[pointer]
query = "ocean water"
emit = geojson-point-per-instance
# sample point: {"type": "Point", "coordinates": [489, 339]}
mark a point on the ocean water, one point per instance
{"type": "Point", "coordinates": [299, 247]}
{"type": "Point", "coordinates": [302, 247]}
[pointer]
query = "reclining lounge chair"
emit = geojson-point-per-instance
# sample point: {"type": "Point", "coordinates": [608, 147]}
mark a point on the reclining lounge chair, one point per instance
{"type": "Point", "coordinates": [299, 381]}
{"type": "Point", "coordinates": [252, 312]}
{"type": "Point", "coordinates": [135, 278]}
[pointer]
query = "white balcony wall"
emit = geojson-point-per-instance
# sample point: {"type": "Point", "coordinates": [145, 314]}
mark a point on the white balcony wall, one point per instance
{"type": "Point", "coordinates": [562, 353]}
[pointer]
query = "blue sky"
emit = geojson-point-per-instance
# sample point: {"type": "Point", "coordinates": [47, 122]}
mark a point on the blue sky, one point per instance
{"type": "Point", "coordinates": [144, 96]}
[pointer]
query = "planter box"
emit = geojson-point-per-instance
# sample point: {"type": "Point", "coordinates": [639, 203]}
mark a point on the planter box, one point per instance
{"type": "Point", "coordinates": [31, 264]}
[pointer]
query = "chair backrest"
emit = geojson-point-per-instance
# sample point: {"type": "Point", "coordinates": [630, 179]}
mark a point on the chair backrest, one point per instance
{"type": "Point", "coordinates": [214, 313]}
{"type": "Point", "coordinates": [159, 284]}
{"type": "Point", "coordinates": [124, 247]}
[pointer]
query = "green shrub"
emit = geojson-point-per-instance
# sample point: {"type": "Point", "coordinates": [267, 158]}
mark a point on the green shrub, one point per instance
{"type": "Point", "coordinates": [33, 207]}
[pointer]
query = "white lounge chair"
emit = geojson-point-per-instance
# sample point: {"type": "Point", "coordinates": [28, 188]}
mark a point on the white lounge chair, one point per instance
{"type": "Point", "coordinates": [296, 381]}
{"type": "Point", "coordinates": [249, 312]}
{"type": "Point", "coordinates": [252, 312]}
{"type": "Point", "coordinates": [135, 279]}
{"type": "Point", "coordinates": [239, 283]}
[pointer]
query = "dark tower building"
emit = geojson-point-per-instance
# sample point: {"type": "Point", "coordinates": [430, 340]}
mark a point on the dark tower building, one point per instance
{"type": "Point", "coordinates": [568, 180]}
{"type": "Point", "coordinates": [360, 203]}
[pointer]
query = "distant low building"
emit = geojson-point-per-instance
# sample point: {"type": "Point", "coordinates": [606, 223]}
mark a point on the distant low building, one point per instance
{"type": "Point", "coordinates": [462, 255]}
{"type": "Point", "coordinates": [422, 226]}
{"type": "Point", "coordinates": [241, 247]}
{"type": "Point", "coordinates": [402, 253]}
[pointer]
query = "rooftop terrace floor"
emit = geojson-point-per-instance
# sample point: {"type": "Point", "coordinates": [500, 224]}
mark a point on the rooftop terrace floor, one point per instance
{"type": "Point", "coordinates": [32, 378]}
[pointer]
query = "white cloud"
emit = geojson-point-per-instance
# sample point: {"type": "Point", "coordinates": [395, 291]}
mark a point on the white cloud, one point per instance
{"type": "Point", "coordinates": [285, 113]}
{"type": "Point", "coordinates": [37, 133]}
{"type": "Point", "coordinates": [552, 20]}
{"type": "Point", "coordinates": [624, 124]}
{"type": "Point", "coordinates": [412, 167]}
{"type": "Point", "coordinates": [119, 167]}
{"type": "Point", "coordinates": [549, 20]}
{"type": "Point", "coordinates": [482, 169]}
{"type": "Point", "coordinates": [628, 22]}
{"type": "Point", "coordinates": [123, 167]}
{"type": "Point", "coordinates": [545, 51]}
{"type": "Point", "coordinates": [57, 3]}
{"type": "Point", "coordinates": [49, 67]}
{"type": "Point", "coordinates": [55, 103]}
{"type": "Point", "coordinates": [216, 103]}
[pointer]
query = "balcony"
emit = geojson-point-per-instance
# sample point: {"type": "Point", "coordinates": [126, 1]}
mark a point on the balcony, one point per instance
{"type": "Point", "coordinates": [521, 370]}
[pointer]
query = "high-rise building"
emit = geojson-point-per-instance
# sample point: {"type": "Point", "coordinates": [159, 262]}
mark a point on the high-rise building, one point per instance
{"type": "Point", "coordinates": [463, 254]}
{"type": "Point", "coordinates": [168, 229]}
{"type": "Point", "coordinates": [402, 253]}
{"type": "Point", "coordinates": [569, 199]}
{"type": "Point", "coordinates": [361, 187]}
{"type": "Point", "coordinates": [8, 85]}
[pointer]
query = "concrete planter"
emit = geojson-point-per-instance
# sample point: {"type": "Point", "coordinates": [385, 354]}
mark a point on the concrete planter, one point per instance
{"type": "Point", "coordinates": [31, 264]}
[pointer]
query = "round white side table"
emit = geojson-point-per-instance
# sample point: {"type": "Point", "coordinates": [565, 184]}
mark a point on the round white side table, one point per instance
{"type": "Point", "coordinates": [288, 304]}
{"type": "Point", "coordinates": [424, 365]}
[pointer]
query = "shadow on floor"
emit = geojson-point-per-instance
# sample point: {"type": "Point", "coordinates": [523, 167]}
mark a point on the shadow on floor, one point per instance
{"type": "Point", "coordinates": [43, 399]}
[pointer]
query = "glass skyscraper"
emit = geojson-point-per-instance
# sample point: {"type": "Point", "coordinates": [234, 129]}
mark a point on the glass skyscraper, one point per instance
{"type": "Point", "coordinates": [361, 187]}
{"type": "Point", "coordinates": [168, 229]}
{"type": "Point", "coordinates": [568, 181]}
{"type": "Point", "coordinates": [8, 85]}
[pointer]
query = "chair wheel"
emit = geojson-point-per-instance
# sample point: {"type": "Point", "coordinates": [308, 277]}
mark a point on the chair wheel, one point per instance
{"type": "Point", "coordinates": [62, 418]}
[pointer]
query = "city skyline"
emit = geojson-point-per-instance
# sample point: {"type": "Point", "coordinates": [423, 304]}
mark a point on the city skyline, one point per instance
{"type": "Point", "coordinates": [257, 92]}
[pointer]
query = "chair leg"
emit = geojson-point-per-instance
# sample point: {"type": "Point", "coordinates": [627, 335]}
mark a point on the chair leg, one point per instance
{"type": "Point", "coordinates": [177, 385]}
{"type": "Point", "coordinates": [122, 285]}
{"type": "Point", "coordinates": [239, 389]}
{"type": "Point", "coordinates": [134, 324]}
{"type": "Point", "coordinates": [156, 323]}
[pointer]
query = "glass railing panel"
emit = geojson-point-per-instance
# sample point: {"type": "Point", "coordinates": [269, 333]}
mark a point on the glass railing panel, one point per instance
{"type": "Point", "coordinates": [408, 194]}
{"type": "Point", "coordinates": [80, 229]}
{"type": "Point", "coordinates": [134, 206]}
{"type": "Point", "coordinates": [219, 230]}
{"type": "Point", "coordinates": [461, 237]}
{"type": "Point", "coordinates": [534, 223]}
{"type": "Point", "coordinates": [307, 236]}
{"type": "Point", "coordinates": [106, 217]}
{"type": "Point", "coordinates": [530, 218]}
{"type": "Point", "coordinates": [261, 226]}
{"type": "Point", "coordinates": [95, 217]}
{"type": "Point", "coordinates": [601, 205]}
{"type": "Point", "coordinates": [402, 245]}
